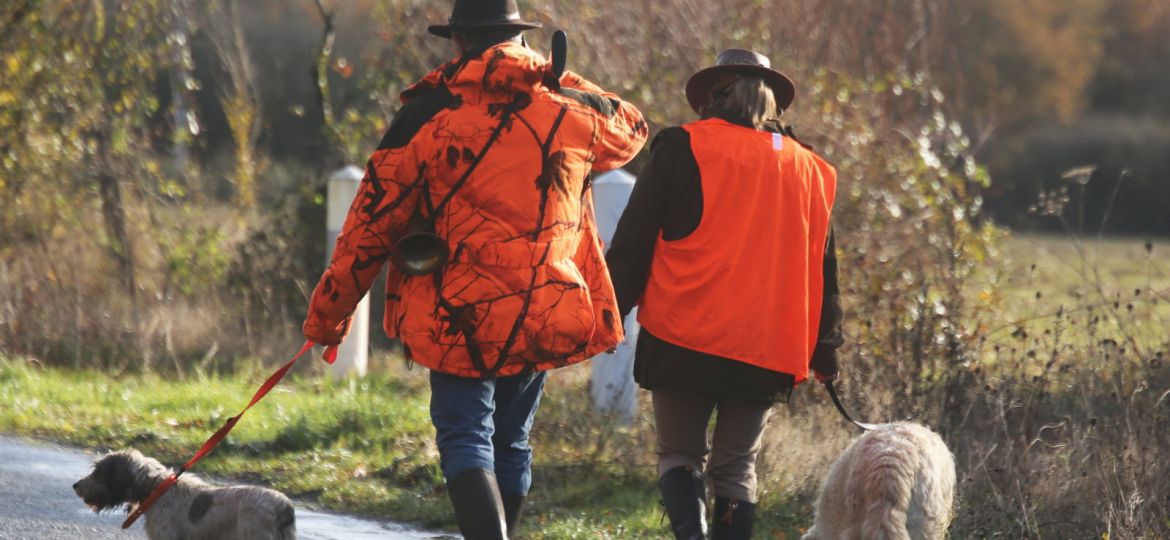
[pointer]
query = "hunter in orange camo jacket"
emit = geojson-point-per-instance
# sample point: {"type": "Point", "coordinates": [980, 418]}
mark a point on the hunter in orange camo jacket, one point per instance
{"type": "Point", "coordinates": [526, 287]}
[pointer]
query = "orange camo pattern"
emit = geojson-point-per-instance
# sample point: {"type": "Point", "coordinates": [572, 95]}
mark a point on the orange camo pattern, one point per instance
{"type": "Point", "coordinates": [527, 288]}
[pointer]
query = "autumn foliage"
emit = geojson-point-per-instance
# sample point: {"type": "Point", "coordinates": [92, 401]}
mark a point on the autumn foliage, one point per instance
{"type": "Point", "coordinates": [162, 166]}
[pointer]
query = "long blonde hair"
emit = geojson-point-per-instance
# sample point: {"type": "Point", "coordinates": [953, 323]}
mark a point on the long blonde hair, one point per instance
{"type": "Point", "coordinates": [745, 99]}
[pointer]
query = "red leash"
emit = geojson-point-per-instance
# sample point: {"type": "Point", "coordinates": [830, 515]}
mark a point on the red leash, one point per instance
{"type": "Point", "coordinates": [273, 380]}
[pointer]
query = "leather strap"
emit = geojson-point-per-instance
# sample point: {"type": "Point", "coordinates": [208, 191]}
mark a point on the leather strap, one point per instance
{"type": "Point", "coordinates": [222, 433]}
{"type": "Point", "coordinates": [841, 408]}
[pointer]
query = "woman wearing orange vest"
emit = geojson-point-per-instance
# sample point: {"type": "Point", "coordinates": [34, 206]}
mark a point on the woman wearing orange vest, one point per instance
{"type": "Point", "coordinates": [727, 250]}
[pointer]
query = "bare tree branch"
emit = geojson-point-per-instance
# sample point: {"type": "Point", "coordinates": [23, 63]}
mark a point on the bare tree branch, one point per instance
{"type": "Point", "coordinates": [320, 74]}
{"type": "Point", "coordinates": [240, 98]}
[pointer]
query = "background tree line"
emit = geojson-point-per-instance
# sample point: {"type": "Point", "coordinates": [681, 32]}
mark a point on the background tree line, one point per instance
{"type": "Point", "coordinates": [1039, 85]}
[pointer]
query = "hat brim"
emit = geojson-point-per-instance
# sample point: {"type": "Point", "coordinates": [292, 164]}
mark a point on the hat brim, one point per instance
{"type": "Point", "coordinates": [444, 30]}
{"type": "Point", "coordinates": [699, 85]}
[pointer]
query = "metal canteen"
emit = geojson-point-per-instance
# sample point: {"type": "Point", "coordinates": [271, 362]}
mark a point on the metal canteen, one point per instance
{"type": "Point", "coordinates": [420, 253]}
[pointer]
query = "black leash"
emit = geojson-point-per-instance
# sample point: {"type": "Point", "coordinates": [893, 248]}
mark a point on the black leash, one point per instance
{"type": "Point", "coordinates": [841, 408]}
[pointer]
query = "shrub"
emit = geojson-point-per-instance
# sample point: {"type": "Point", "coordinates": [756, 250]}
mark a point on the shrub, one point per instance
{"type": "Point", "coordinates": [1027, 164]}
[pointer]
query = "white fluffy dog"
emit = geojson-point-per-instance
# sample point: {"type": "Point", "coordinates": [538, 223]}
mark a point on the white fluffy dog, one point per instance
{"type": "Point", "coordinates": [191, 509]}
{"type": "Point", "coordinates": [894, 483]}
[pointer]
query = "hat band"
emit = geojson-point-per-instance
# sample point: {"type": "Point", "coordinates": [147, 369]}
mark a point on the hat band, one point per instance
{"type": "Point", "coordinates": [509, 18]}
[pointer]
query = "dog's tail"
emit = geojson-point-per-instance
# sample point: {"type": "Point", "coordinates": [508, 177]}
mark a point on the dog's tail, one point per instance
{"type": "Point", "coordinates": [286, 522]}
{"type": "Point", "coordinates": [888, 471]}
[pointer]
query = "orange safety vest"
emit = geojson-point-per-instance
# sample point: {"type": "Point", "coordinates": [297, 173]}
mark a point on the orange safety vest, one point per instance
{"type": "Point", "coordinates": [747, 284]}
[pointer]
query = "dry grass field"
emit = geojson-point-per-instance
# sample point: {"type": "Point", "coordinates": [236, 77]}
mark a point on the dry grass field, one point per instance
{"type": "Point", "coordinates": [1061, 271]}
{"type": "Point", "coordinates": [1058, 413]}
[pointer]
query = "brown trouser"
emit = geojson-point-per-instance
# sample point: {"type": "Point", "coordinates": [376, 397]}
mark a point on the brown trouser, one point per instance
{"type": "Point", "coordinates": [681, 419]}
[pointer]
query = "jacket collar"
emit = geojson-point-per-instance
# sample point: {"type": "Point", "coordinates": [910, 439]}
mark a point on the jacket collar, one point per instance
{"type": "Point", "coordinates": [496, 74]}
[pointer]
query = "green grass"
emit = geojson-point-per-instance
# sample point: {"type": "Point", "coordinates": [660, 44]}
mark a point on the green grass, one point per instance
{"type": "Point", "coordinates": [336, 443]}
{"type": "Point", "coordinates": [364, 447]}
{"type": "Point", "coordinates": [1113, 286]}
{"type": "Point", "coordinates": [1069, 270]}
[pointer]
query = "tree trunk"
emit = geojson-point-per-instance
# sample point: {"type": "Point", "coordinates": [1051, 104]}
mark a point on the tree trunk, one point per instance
{"type": "Point", "coordinates": [332, 155]}
{"type": "Point", "coordinates": [113, 211]}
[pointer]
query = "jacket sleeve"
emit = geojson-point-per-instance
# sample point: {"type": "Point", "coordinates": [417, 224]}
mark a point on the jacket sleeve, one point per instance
{"type": "Point", "coordinates": [624, 131]}
{"type": "Point", "coordinates": [378, 216]}
{"type": "Point", "coordinates": [591, 262]}
{"type": "Point", "coordinates": [829, 336]}
{"type": "Point", "coordinates": [632, 248]}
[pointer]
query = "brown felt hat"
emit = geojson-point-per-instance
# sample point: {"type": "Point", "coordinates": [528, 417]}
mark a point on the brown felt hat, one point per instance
{"type": "Point", "coordinates": [739, 62]}
{"type": "Point", "coordinates": [469, 14]}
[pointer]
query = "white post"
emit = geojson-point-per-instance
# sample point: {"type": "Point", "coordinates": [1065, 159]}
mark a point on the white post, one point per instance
{"type": "Point", "coordinates": [612, 381]}
{"type": "Point", "coordinates": [352, 355]}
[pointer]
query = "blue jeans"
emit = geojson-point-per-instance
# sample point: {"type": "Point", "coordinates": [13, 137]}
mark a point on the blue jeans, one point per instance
{"type": "Point", "coordinates": [484, 424]}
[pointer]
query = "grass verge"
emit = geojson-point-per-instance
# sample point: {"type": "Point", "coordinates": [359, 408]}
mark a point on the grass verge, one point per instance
{"type": "Point", "coordinates": [364, 447]}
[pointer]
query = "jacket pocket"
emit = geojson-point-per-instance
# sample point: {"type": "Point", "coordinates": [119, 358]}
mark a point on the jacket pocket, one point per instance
{"type": "Point", "coordinates": [560, 321]}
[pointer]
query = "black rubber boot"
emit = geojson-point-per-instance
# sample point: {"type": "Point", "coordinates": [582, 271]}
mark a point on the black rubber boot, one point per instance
{"type": "Point", "coordinates": [732, 520]}
{"type": "Point", "coordinates": [513, 507]}
{"type": "Point", "coordinates": [685, 498]}
{"type": "Point", "coordinates": [478, 508]}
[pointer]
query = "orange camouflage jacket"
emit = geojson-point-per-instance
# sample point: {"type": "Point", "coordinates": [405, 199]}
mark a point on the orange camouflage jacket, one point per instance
{"type": "Point", "coordinates": [526, 288]}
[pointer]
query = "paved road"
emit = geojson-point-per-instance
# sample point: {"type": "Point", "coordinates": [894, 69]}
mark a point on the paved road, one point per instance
{"type": "Point", "coordinates": [37, 503]}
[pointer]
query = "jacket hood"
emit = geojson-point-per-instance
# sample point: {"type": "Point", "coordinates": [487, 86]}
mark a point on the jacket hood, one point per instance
{"type": "Point", "coordinates": [494, 75]}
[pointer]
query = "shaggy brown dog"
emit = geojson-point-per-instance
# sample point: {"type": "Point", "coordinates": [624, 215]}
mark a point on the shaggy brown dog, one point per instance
{"type": "Point", "coordinates": [191, 509]}
{"type": "Point", "coordinates": [894, 483]}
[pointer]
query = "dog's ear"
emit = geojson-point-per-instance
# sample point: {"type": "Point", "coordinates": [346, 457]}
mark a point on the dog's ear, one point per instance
{"type": "Point", "coordinates": [117, 472]}
{"type": "Point", "coordinates": [115, 476]}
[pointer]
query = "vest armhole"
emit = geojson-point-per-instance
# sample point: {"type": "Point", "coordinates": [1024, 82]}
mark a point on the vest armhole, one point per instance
{"type": "Point", "coordinates": [685, 212]}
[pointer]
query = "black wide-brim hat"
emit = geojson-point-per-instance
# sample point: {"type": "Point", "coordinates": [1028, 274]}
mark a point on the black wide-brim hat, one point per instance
{"type": "Point", "coordinates": [469, 14]}
{"type": "Point", "coordinates": [740, 62]}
